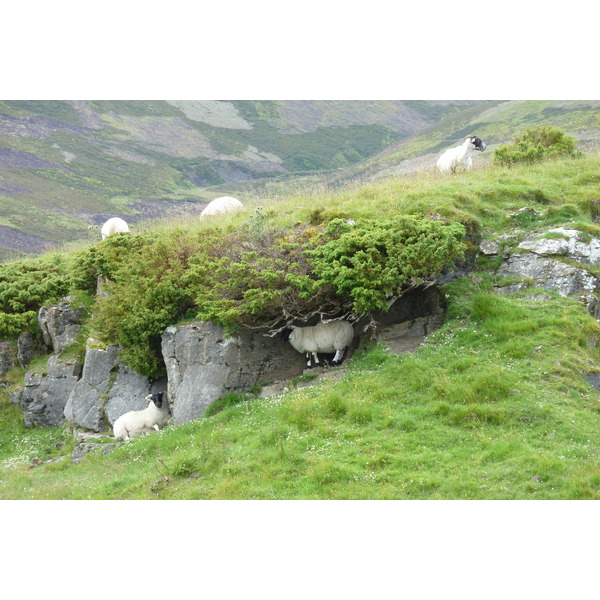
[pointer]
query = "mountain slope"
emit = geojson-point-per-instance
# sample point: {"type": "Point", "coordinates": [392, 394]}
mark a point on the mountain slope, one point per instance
{"type": "Point", "coordinates": [495, 122]}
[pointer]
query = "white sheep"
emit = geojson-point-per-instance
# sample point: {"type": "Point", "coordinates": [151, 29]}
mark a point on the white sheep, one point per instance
{"type": "Point", "coordinates": [135, 422]}
{"type": "Point", "coordinates": [334, 336]}
{"type": "Point", "coordinates": [112, 226]}
{"type": "Point", "coordinates": [459, 157]}
{"type": "Point", "coordinates": [221, 206]}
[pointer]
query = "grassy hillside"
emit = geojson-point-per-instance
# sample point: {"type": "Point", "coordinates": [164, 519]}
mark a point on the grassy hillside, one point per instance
{"type": "Point", "coordinates": [65, 165]}
{"type": "Point", "coordinates": [495, 405]}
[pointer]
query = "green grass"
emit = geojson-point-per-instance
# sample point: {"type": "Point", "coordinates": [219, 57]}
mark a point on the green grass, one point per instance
{"type": "Point", "coordinates": [493, 406]}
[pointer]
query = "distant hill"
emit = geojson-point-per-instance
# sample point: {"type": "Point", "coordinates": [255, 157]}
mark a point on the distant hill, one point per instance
{"type": "Point", "coordinates": [68, 165]}
{"type": "Point", "coordinates": [496, 122]}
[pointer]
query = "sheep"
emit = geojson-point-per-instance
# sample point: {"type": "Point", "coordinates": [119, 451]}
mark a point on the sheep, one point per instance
{"type": "Point", "coordinates": [112, 226]}
{"type": "Point", "coordinates": [221, 206]}
{"type": "Point", "coordinates": [460, 156]}
{"type": "Point", "coordinates": [135, 422]}
{"type": "Point", "coordinates": [334, 336]}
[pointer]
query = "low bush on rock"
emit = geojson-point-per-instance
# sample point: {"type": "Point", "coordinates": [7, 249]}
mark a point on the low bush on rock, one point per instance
{"type": "Point", "coordinates": [26, 286]}
{"type": "Point", "coordinates": [244, 279]}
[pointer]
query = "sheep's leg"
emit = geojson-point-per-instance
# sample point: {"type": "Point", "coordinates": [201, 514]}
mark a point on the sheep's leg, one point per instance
{"type": "Point", "coordinates": [312, 357]}
{"type": "Point", "coordinates": [156, 427]}
{"type": "Point", "coordinates": [337, 359]}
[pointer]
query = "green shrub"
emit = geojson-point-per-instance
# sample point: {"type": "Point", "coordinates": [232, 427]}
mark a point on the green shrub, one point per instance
{"type": "Point", "coordinates": [536, 144]}
{"type": "Point", "coordinates": [343, 267]}
{"type": "Point", "coordinates": [26, 286]}
{"type": "Point", "coordinates": [146, 295]}
{"type": "Point", "coordinates": [366, 263]}
{"type": "Point", "coordinates": [105, 259]}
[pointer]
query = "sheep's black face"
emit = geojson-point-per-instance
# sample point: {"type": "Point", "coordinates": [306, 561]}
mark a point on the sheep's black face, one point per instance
{"type": "Point", "coordinates": [285, 334]}
{"type": "Point", "coordinates": [478, 143]}
{"type": "Point", "coordinates": [157, 399]}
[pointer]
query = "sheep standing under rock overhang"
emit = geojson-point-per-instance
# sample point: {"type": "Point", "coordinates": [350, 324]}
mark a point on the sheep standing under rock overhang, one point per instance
{"type": "Point", "coordinates": [334, 336]}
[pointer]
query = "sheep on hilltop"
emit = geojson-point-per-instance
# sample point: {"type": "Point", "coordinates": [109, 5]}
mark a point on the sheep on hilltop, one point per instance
{"type": "Point", "coordinates": [112, 226]}
{"type": "Point", "coordinates": [221, 206]}
{"type": "Point", "coordinates": [459, 157]}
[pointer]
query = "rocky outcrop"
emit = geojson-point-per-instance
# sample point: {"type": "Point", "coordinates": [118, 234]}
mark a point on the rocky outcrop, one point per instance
{"type": "Point", "coordinates": [550, 274]}
{"type": "Point", "coordinates": [204, 364]}
{"type": "Point", "coordinates": [44, 395]}
{"type": "Point", "coordinates": [562, 241]}
{"type": "Point", "coordinates": [60, 324]}
{"type": "Point", "coordinates": [8, 353]}
{"type": "Point", "coordinates": [554, 260]}
{"type": "Point", "coordinates": [28, 347]}
{"type": "Point", "coordinates": [91, 396]}
{"type": "Point", "coordinates": [106, 390]}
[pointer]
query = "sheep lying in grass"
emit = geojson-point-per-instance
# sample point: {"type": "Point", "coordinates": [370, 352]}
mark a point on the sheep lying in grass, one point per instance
{"type": "Point", "coordinates": [112, 226]}
{"type": "Point", "coordinates": [460, 156]}
{"type": "Point", "coordinates": [135, 422]}
{"type": "Point", "coordinates": [334, 336]}
{"type": "Point", "coordinates": [221, 206]}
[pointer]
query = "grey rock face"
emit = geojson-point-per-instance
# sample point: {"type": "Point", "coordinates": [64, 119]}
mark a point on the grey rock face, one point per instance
{"type": "Point", "coordinates": [86, 401]}
{"type": "Point", "coordinates": [28, 347]}
{"type": "Point", "coordinates": [45, 395]}
{"type": "Point", "coordinates": [107, 389]}
{"type": "Point", "coordinates": [572, 243]}
{"type": "Point", "coordinates": [203, 364]}
{"type": "Point", "coordinates": [550, 274]}
{"type": "Point", "coordinates": [7, 357]}
{"type": "Point", "coordinates": [60, 325]}
{"type": "Point", "coordinates": [129, 393]}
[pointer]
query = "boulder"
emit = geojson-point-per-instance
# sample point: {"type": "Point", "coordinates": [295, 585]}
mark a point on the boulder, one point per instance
{"type": "Point", "coordinates": [29, 346]}
{"type": "Point", "coordinates": [45, 395]}
{"type": "Point", "coordinates": [204, 364]}
{"type": "Point", "coordinates": [8, 354]}
{"type": "Point", "coordinates": [60, 324]}
{"type": "Point", "coordinates": [550, 274]}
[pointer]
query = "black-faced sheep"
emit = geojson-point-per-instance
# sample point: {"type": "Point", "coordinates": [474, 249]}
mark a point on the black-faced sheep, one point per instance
{"type": "Point", "coordinates": [221, 206]}
{"type": "Point", "coordinates": [334, 336]}
{"type": "Point", "coordinates": [135, 422]}
{"type": "Point", "coordinates": [112, 226]}
{"type": "Point", "coordinates": [459, 157]}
